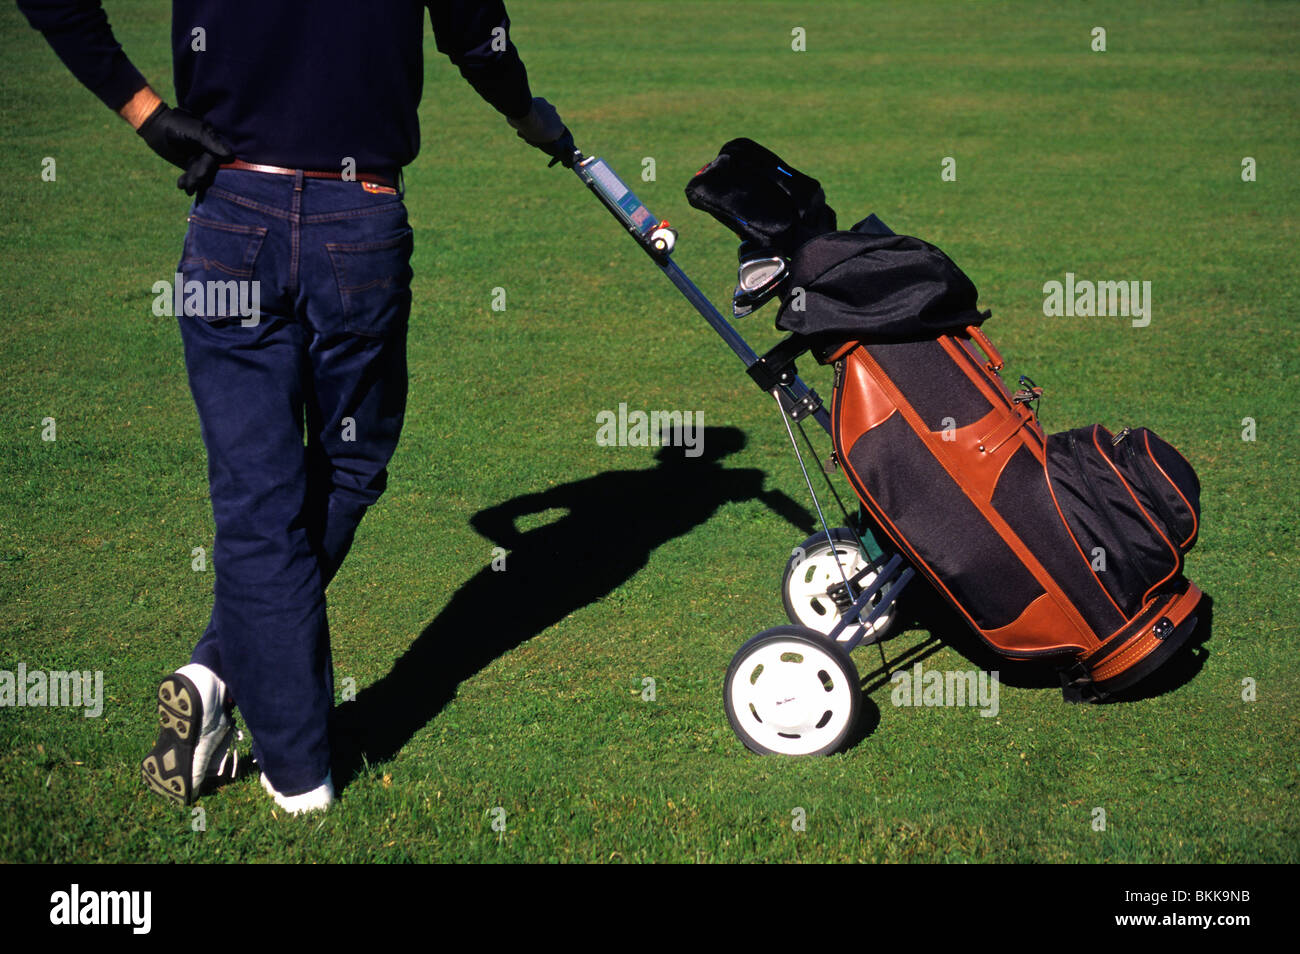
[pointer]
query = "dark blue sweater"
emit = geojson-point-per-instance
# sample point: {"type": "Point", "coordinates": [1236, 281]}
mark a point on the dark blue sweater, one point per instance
{"type": "Point", "coordinates": [301, 83]}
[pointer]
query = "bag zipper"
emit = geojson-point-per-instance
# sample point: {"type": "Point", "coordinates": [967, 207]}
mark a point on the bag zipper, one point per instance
{"type": "Point", "coordinates": [1097, 504]}
{"type": "Point", "coordinates": [1171, 526]}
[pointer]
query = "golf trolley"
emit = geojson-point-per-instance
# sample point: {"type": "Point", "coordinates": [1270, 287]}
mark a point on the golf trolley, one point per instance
{"type": "Point", "coordinates": [792, 689]}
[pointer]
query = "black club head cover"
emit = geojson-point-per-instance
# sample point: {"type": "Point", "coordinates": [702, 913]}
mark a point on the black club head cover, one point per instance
{"type": "Point", "coordinates": [763, 199]}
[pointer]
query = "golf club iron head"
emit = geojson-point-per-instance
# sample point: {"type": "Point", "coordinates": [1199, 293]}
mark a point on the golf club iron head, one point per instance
{"type": "Point", "coordinates": [757, 280]}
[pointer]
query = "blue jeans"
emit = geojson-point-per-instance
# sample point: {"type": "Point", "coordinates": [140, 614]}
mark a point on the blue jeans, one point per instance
{"type": "Point", "coordinates": [300, 408]}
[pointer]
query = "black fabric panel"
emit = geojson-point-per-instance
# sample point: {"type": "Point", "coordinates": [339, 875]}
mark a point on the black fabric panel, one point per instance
{"type": "Point", "coordinates": [931, 381]}
{"type": "Point", "coordinates": [1101, 513]}
{"type": "Point", "coordinates": [1024, 502]}
{"type": "Point", "coordinates": [942, 524]}
{"type": "Point", "coordinates": [876, 286]}
{"type": "Point", "coordinates": [1186, 522]}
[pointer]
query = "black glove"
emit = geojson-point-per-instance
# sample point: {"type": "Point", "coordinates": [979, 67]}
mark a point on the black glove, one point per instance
{"type": "Point", "coordinates": [188, 142]}
{"type": "Point", "coordinates": [543, 128]}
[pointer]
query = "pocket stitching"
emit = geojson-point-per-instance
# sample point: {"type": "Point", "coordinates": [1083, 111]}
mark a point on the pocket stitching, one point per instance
{"type": "Point", "coordinates": [235, 227]}
{"type": "Point", "coordinates": [341, 273]}
{"type": "Point", "coordinates": [255, 236]}
{"type": "Point", "coordinates": [368, 246]}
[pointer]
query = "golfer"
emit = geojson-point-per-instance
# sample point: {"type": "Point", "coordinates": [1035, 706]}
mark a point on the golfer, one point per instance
{"type": "Point", "coordinates": [294, 123]}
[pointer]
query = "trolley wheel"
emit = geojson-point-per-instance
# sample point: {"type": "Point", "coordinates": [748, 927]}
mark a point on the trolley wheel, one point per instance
{"type": "Point", "coordinates": [812, 570]}
{"type": "Point", "coordinates": [792, 691]}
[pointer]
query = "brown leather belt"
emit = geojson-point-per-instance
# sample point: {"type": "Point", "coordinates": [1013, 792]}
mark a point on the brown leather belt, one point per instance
{"type": "Point", "coordinates": [371, 177]}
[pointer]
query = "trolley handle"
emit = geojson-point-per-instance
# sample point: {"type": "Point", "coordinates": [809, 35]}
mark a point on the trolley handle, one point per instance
{"type": "Point", "coordinates": [654, 235]}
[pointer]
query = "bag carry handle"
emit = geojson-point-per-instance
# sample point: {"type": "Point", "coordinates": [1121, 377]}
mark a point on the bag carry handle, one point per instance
{"type": "Point", "coordinates": [995, 361]}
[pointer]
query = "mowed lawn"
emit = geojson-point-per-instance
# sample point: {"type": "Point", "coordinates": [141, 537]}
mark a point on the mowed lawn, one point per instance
{"type": "Point", "coordinates": [512, 712]}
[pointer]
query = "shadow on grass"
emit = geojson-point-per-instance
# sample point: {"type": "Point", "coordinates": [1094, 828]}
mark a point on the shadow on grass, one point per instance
{"type": "Point", "coordinates": [924, 609]}
{"type": "Point", "coordinates": [1182, 666]}
{"type": "Point", "coordinates": [612, 523]}
{"type": "Point", "coordinates": [887, 662]}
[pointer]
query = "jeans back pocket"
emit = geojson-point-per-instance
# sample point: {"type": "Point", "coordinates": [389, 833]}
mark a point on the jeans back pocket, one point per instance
{"type": "Point", "coordinates": [217, 267]}
{"type": "Point", "coordinates": [374, 282]}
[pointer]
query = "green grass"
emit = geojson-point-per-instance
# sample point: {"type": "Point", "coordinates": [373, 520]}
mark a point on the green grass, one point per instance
{"type": "Point", "coordinates": [1115, 165]}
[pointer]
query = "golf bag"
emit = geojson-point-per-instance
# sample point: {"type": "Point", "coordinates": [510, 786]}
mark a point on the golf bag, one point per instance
{"type": "Point", "coordinates": [1066, 545]}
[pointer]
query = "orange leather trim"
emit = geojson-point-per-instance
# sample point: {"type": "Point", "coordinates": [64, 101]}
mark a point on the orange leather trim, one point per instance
{"type": "Point", "coordinates": [995, 362]}
{"type": "Point", "coordinates": [1036, 630]}
{"type": "Point", "coordinates": [1006, 430]}
{"type": "Point", "coordinates": [995, 391]}
{"type": "Point", "coordinates": [1176, 611]}
{"type": "Point", "coordinates": [869, 408]}
{"type": "Point", "coordinates": [980, 471]}
{"type": "Point", "coordinates": [867, 397]}
{"type": "Point", "coordinates": [840, 352]}
{"type": "Point", "coordinates": [988, 383]}
{"type": "Point", "coordinates": [976, 474]}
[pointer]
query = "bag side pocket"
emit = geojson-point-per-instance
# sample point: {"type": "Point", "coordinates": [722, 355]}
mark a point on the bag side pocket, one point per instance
{"type": "Point", "coordinates": [1110, 516]}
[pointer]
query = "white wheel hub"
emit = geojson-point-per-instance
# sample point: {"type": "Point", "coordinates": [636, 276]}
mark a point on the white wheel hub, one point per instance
{"type": "Point", "coordinates": [792, 697]}
{"type": "Point", "coordinates": [822, 567]}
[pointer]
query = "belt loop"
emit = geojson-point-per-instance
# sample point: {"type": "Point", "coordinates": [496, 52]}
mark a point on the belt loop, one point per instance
{"type": "Point", "coordinates": [297, 180]}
